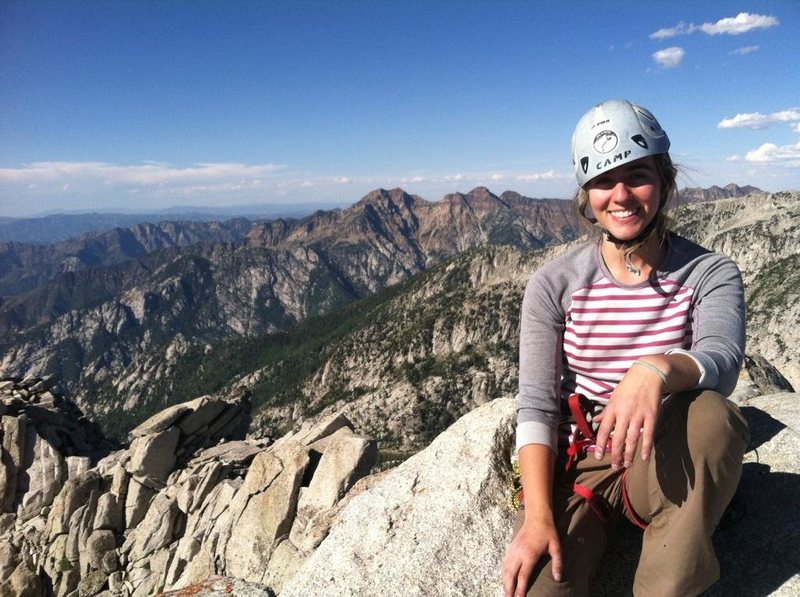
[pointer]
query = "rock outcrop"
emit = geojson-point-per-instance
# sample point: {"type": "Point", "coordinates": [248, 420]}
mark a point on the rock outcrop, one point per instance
{"type": "Point", "coordinates": [435, 525]}
{"type": "Point", "coordinates": [188, 499]}
{"type": "Point", "coordinates": [193, 508]}
{"type": "Point", "coordinates": [439, 523]}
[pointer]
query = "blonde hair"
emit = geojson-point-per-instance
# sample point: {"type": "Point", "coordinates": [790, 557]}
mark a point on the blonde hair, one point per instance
{"type": "Point", "coordinates": [668, 178]}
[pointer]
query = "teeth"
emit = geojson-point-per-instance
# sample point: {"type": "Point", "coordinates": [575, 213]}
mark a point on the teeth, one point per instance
{"type": "Point", "coordinates": [622, 213]}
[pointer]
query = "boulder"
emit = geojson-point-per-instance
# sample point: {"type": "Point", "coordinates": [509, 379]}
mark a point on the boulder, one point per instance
{"type": "Point", "coordinates": [23, 582]}
{"type": "Point", "coordinates": [76, 493]}
{"type": "Point", "coordinates": [137, 500]}
{"type": "Point", "coordinates": [346, 459]}
{"type": "Point", "coordinates": [99, 545]}
{"type": "Point", "coordinates": [13, 436]}
{"type": "Point", "coordinates": [9, 560]}
{"type": "Point", "coordinates": [156, 529]}
{"type": "Point", "coordinates": [45, 472]}
{"type": "Point", "coordinates": [765, 376]}
{"type": "Point", "coordinates": [153, 456]}
{"type": "Point", "coordinates": [438, 524]}
{"type": "Point", "coordinates": [268, 514]}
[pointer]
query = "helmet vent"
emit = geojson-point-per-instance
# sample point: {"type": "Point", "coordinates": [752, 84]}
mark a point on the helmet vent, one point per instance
{"type": "Point", "coordinates": [640, 141]}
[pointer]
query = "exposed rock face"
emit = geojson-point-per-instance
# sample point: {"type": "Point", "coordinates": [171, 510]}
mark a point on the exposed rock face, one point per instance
{"type": "Point", "coordinates": [46, 440]}
{"type": "Point", "coordinates": [187, 500]}
{"type": "Point", "coordinates": [293, 518]}
{"type": "Point", "coordinates": [761, 234]}
{"type": "Point", "coordinates": [766, 378]}
{"type": "Point", "coordinates": [435, 525]}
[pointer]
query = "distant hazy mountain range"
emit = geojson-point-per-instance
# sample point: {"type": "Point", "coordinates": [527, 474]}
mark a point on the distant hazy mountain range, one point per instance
{"type": "Point", "coordinates": [696, 194]}
{"type": "Point", "coordinates": [53, 228]}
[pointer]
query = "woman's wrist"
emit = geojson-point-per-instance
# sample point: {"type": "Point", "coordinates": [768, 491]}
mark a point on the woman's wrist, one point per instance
{"type": "Point", "coordinates": [654, 368]}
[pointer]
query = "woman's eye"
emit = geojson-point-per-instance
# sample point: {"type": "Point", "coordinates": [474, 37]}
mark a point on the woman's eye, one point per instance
{"type": "Point", "coordinates": [602, 183]}
{"type": "Point", "coordinates": [639, 177]}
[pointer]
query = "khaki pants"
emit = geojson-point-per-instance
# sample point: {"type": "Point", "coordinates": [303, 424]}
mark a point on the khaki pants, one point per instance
{"type": "Point", "coordinates": [681, 491]}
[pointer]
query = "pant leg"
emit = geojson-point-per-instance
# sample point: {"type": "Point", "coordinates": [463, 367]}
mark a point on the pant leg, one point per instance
{"type": "Point", "coordinates": [683, 490]}
{"type": "Point", "coordinates": [583, 535]}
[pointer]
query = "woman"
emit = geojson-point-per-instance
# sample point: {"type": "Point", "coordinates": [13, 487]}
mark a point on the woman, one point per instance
{"type": "Point", "coordinates": [650, 328]}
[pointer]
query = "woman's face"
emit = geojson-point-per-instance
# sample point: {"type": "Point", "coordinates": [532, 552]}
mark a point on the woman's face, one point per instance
{"type": "Point", "coordinates": [625, 200]}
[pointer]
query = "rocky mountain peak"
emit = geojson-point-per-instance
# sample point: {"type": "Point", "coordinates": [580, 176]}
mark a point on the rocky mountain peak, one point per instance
{"type": "Point", "coordinates": [383, 198]}
{"type": "Point", "coordinates": [479, 196]}
{"type": "Point", "coordinates": [714, 192]}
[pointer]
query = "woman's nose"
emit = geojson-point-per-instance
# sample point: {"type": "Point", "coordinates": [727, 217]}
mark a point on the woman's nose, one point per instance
{"type": "Point", "coordinates": [619, 191]}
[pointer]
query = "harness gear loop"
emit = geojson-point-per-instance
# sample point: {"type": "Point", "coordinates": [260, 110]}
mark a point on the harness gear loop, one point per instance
{"type": "Point", "coordinates": [584, 436]}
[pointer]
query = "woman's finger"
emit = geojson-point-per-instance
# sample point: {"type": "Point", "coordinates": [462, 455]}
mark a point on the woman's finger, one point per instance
{"type": "Point", "coordinates": [647, 438]}
{"type": "Point", "coordinates": [555, 560]}
{"type": "Point", "coordinates": [631, 439]}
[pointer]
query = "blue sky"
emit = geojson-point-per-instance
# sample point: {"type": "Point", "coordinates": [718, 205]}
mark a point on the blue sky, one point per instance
{"type": "Point", "coordinates": [136, 105]}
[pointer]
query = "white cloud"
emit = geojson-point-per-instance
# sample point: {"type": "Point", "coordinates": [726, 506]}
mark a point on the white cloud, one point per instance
{"type": "Point", "coordinates": [745, 50]}
{"type": "Point", "coordinates": [342, 180]}
{"type": "Point", "coordinates": [796, 127]}
{"type": "Point", "coordinates": [669, 57]}
{"type": "Point", "coordinates": [770, 153]}
{"type": "Point", "coordinates": [549, 175]}
{"type": "Point", "coordinates": [497, 176]}
{"type": "Point", "coordinates": [412, 179]}
{"type": "Point", "coordinates": [741, 23]}
{"type": "Point", "coordinates": [679, 29]}
{"type": "Point", "coordinates": [757, 120]}
{"type": "Point", "coordinates": [148, 174]}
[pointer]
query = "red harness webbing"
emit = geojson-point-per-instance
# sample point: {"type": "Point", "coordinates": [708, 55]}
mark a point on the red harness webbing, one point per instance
{"type": "Point", "coordinates": [582, 440]}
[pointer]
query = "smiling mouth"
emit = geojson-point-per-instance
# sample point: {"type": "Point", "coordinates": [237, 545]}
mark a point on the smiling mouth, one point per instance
{"type": "Point", "coordinates": [623, 213]}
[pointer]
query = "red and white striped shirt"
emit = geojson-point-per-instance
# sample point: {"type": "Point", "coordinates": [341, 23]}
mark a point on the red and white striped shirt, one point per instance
{"type": "Point", "coordinates": [608, 327]}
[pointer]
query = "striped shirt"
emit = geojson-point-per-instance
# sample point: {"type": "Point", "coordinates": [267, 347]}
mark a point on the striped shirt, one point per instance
{"type": "Point", "coordinates": [581, 329]}
{"type": "Point", "coordinates": [608, 327]}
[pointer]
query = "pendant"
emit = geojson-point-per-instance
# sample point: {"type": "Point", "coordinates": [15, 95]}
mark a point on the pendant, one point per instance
{"type": "Point", "coordinates": [632, 268]}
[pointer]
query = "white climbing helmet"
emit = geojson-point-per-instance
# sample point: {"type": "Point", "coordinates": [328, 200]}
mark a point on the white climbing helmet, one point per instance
{"type": "Point", "coordinates": [614, 133]}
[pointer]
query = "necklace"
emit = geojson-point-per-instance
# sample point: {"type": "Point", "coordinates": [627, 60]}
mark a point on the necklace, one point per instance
{"type": "Point", "coordinates": [632, 268]}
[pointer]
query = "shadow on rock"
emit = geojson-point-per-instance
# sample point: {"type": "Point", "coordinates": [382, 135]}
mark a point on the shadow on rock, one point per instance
{"type": "Point", "coordinates": [763, 427]}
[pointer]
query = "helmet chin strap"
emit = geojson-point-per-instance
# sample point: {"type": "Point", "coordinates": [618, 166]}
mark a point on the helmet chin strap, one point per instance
{"type": "Point", "coordinates": [624, 244]}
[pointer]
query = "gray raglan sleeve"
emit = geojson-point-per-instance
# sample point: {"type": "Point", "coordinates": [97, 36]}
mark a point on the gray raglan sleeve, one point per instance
{"type": "Point", "coordinates": [541, 334]}
{"type": "Point", "coordinates": [718, 334]}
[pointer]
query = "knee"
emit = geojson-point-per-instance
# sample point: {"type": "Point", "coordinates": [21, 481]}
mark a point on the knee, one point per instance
{"type": "Point", "coordinates": [716, 426]}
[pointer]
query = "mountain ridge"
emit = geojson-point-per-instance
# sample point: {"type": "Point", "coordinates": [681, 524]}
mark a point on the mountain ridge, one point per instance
{"type": "Point", "coordinates": [126, 311]}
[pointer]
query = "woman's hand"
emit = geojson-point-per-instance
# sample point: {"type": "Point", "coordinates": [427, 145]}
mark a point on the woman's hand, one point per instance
{"type": "Point", "coordinates": [631, 412]}
{"type": "Point", "coordinates": [537, 537]}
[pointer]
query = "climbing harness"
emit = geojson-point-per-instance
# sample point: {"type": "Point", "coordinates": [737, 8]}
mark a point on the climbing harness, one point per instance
{"type": "Point", "coordinates": [583, 440]}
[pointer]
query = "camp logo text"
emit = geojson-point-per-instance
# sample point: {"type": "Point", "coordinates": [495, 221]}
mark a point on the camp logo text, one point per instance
{"type": "Point", "coordinates": [613, 159]}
